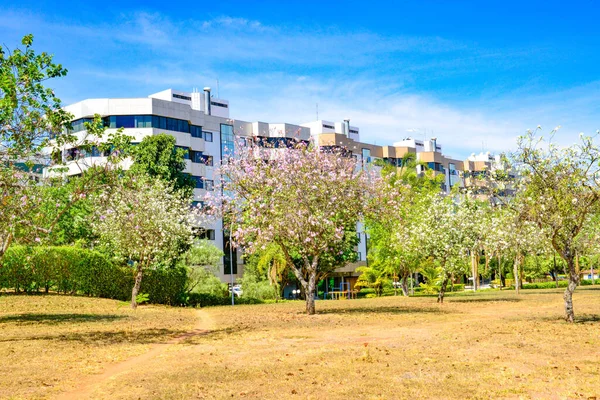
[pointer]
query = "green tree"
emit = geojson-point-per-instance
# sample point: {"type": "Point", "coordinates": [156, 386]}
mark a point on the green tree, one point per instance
{"type": "Point", "coordinates": [158, 156]}
{"type": "Point", "coordinates": [273, 263]}
{"type": "Point", "coordinates": [393, 217]}
{"type": "Point", "coordinates": [201, 259]}
{"type": "Point", "coordinates": [373, 278]}
{"type": "Point", "coordinates": [32, 123]}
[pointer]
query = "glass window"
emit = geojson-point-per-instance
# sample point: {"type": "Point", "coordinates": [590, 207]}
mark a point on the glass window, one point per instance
{"type": "Point", "coordinates": [196, 156]}
{"type": "Point", "coordinates": [209, 184]}
{"type": "Point", "coordinates": [208, 136]}
{"type": "Point", "coordinates": [199, 181]}
{"type": "Point", "coordinates": [143, 121]}
{"type": "Point", "coordinates": [162, 123]}
{"type": "Point", "coordinates": [207, 160]}
{"type": "Point", "coordinates": [196, 131]}
{"type": "Point", "coordinates": [125, 121]}
{"type": "Point", "coordinates": [171, 124]}
{"type": "Point", "coordinates": [227, 141]}
{"type": "Point", "coordinates": [366, 155]}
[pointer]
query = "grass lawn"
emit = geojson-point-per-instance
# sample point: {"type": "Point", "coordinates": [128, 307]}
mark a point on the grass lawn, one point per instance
{"type": "Point", "coordinates": [485, 345]}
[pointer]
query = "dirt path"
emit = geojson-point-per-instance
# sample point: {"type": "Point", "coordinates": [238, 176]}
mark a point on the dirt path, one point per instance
{"type": "Point", "coordinates": [86, 388]}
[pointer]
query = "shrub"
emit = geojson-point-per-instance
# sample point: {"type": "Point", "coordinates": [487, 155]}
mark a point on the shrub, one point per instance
{"type": "Point", "coordinates": [365, 292]}
{"type": "Point", "coordinates": [206, 300]}
{"type": "Point", "coordinates": [552, 284]}
{"type": "Point", "coordinates": [69, 269]}
{"type": "Point", "coordinates": [164, 285]}
{"type": "Point", "coordinates": [258, 289]}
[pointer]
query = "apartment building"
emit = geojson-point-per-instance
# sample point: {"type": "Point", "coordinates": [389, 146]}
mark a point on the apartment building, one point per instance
{"type": "Point", "coordinates": [428, 152]}
{"type": "Point", "coordinates": [201, 124]}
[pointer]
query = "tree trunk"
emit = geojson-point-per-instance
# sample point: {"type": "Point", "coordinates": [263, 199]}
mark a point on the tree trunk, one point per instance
{"type": "Point", "coordinates": [442, 291]}
{"type": "Point", "coordinates": [473, 273]}
{"type": "Point", "coordinates": [136, 286]}
{"type": "Point", "coordinates": [554, 273]}
{"type": "Point", "coordinates": [568, 296]}
{"type": "Point", "coordinates": [500, 271]}
{"type": "Point", "coordinates": [405, 285]}
{"type": "Point", "coordinates": [516, 273]}
{"type": "Point", "coordinates": [476, 261]}
{"type": "Point", "coordinates": [310, 295]}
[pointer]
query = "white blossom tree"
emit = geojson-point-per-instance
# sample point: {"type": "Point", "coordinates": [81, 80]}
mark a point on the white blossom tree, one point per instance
{"type": "Point", "coordinates": [558, 191]}
{"type": "Point", "coordinates": [145, 221]}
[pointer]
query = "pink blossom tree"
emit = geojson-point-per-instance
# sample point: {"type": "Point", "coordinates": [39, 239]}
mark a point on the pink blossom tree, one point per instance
{"type": "Point", "coordinates": [300, 198]}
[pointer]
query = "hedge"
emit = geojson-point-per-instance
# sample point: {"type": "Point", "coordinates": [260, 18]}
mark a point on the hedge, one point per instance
{"type": "Point", "coordinates": [552, 284]}
{"type": "Point", "coordinates": [74, 270]}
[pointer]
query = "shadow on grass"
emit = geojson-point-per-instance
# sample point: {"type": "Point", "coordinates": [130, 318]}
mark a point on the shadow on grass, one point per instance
{"type": "Point", "coordinates": [148, 336]}
{"type": "Point", "coordinates": [579, 319]}
{"type": "Point", "coordinates": [584, 318]}
{"type": "Point", "coordinates": [151, 336]}
{"type": "Point", "coordinates": [53, 319]}
{"type": "Point", "coordinates": [484, 300]}
{"type": "Point", "coordinates": [387, 310]}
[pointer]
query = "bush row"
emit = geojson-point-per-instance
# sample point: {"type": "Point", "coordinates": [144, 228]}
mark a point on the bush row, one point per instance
{"type": "Point", "coordinates": [552, 284]}
{"type": "Point", "coordinates": [73, 270]}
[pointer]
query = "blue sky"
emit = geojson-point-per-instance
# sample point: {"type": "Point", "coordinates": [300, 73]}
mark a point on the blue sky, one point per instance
{"type": "Point", "coordinates": [473, 74]}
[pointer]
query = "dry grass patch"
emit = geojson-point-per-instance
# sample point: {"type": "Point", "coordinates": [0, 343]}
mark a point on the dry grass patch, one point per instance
{"type": "Point", "coordinates": [486, 345]}
{"type": "Point", "coordinates": [49, 343]}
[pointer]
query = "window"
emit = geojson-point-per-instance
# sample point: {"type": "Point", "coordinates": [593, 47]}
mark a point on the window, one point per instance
{"type": "Point", "coordinates": [199, 182]}
{"type": "Point", "coordinates": [202, 233]}
{"type": "Point", "coordinates": [207, 160]}
{"type": "Point", "coordinates": [197, 157]}
{"type": "Point", "coordinates": [208, 136]}
{"type": "Point", "coordinates": [79, 124]}
{"type": "Point", "coordinates": [227, 141]}
{"type": "Point", "coordinates": [214, 103]}
{"type": "Point", "coordinates": [196, 131]}
{"type": "Point", "coordinates": [366, 156]}
{"type": "Point", "coordinates": [141, 121]}
{"type": "Point", "coordinates": [328, 126]}
{"type": "Point", "coordinates": [178, 96]}
{"type": "Point", "coordinates": [353, 131]}
{"type": "Point", "coordinates": [125, 121]}
{"type": "Point", "coordinates": [209, 184]}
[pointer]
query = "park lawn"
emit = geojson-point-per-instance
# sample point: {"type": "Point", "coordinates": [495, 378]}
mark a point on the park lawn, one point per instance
{"type": "Point", "coordinates": [48, 343]}
{"type": "Point", "coordinates": [485, 345]}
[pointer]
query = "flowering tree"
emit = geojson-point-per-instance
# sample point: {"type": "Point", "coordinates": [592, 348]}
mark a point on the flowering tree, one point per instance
{"type": "Point", "coordinates": [300, 198]}
{"type": "Point", "coordinates": [444, 234]}
{"type": "Point", "coordinates": [558, 191]}
{"type": "Point", "coordinates": [146, 221]}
